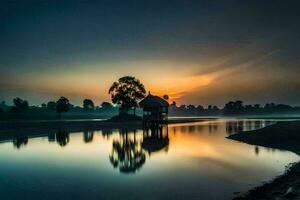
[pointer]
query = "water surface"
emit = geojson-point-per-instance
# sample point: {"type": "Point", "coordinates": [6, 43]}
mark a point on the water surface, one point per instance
{"type": "Point", "coordinates": [183, 161]}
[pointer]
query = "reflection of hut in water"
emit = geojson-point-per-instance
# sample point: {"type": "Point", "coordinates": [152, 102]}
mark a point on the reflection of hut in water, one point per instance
{"type": "Point", "coordinates": [51, 137]}
{"type": "Point", "coordinates": [155, 109]}
{"type": "Point", "coordinates": [156, 140]}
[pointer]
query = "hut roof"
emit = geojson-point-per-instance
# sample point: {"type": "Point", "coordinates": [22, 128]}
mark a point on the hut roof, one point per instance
{"type": "Point", "coordinates": [153, 101]}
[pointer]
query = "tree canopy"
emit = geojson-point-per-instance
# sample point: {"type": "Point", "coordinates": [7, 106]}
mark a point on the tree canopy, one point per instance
{"type": "Point", "coordinates": [20, 105]}
{"type": "Point", "coordinates": [62, 105]}
{"type": "Point", "coordinates": [127, 91]}
{"type": "Point", "coordinates": [88, 104]}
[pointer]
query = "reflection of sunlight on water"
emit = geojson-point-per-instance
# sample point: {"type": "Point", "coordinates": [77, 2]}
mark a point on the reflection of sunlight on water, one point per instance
{"type": "Point", "coordinates": [196, 154]}
{"type": "Point", "coordinates": [208, 141]}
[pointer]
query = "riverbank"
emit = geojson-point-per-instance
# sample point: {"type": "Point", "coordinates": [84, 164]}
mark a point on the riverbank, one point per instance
{"type": "Point", "coordinates": [285, 136]}
{"type": "Point", "coordinates": [79, 125]}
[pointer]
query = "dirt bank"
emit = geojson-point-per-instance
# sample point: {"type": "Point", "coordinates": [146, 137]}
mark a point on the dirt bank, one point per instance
{"type": "Point", "coordinates": [285, 136]}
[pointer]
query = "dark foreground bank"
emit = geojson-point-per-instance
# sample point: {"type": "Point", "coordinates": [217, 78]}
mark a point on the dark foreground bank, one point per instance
{"type": "Point", "coordinates": [285, 136]}
{"type": "Point", "coordinates": [79, 125]}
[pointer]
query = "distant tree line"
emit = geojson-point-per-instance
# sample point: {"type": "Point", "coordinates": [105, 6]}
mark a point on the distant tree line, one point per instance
{"type": "Point", "coordinates": [192, 110]}
{"type": "Point", "coordinates": [232, 108]}
{"type": "Point", "coordinates": [238, 108]}
{"type": "Point", "coordinates": [63, 105]}
{"type": "Point", "coordinates": [125, 94]}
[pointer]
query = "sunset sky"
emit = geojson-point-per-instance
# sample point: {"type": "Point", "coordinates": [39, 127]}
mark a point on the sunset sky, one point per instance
{"type": "Point", "coordinates": [198, 52]}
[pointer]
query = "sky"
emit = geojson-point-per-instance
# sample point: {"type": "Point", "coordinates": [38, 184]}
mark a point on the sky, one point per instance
{"type": "Point", "coordinates": [197, 52]}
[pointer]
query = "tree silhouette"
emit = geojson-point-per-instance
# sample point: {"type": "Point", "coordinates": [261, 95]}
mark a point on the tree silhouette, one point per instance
{"type": "Point", "coordinates": [20, 105]}
{"type": "Point", "coordinates": [88, 104]}
{"type": "Point", "coordinates": [166, 97]}
{"type": "Point", "coordinates": [44, 106]}
{"type": "Point", "coordinates": [127, 92]}
{"type": "Point", "coordinates": [106, 106]}
{"type": "Point", "coordinates": [235, 107]}
{"type": "Point", "coordinates": [62, 105]}
{"type": "Point", "coordinates": [3, 106]}
{"type": "Point", "coordinates": [51, 106]}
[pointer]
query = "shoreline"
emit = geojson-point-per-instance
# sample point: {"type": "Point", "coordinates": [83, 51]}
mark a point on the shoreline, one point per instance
{"type": "Point", "coordinates": [77, 125]}
{"type": "Point", "coordinates": [284, 136]}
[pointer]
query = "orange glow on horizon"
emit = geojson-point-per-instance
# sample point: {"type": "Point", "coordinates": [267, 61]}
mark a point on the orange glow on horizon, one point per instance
{"type": "Point", "coordinates": [177, 87]}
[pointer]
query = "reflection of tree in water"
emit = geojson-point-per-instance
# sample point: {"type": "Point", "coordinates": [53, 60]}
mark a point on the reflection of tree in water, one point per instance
{"type": "Point", "coordinates": [256, 150]}
{"type": "Point", "coordinates": [212, 127]}
{"type": "Point", "coordinates": [257, 124]}
{"type": "Point", "coordinates": [191, 129]}
{"type": "Point", "coordinates": [62, 138]}
{"type": "Point", "coordinates": [156, 139]}
{"type": "Point", "coordinates": [106, 133]}
{"type": "Point", "coordinates": [20, 141]}
{"type": "Point", "coordinates": [88, 136]}
{"type": "Point", "coordinates": [233, 127]}
{"type": "Point", "coordinates": [126, 154]}
{"type": "Point", "coordinates": [248, 125]}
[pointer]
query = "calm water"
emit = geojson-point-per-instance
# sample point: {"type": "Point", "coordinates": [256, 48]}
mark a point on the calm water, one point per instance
{"type": "Point", "coordinates": [184, 161]}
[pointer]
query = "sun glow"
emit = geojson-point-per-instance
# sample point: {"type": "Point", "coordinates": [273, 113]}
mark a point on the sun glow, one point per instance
{"type": "Point", "coordinates": [177, 86]}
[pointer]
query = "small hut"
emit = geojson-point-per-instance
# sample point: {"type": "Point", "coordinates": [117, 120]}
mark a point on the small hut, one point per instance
{"type": "Point", "coordinates": [155, 109]}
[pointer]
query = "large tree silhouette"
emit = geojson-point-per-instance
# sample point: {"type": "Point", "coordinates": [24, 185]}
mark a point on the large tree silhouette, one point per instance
{"type": "Point", "coordinates": [62, 105]}
{"type": "Point", "coordinates": [126, 92]}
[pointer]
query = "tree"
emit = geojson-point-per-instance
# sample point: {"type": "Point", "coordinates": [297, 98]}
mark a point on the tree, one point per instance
{"type": "Point", "coordinates": [106, 106]}
{"type": "Point", "coordinates": [200, 108]}
{"type": "Point", "coordinates": [62, 105]}
{"type": "Point", "coordinates": [173, 104]}
{"type": "Point", "coordinates": [234, 107]}
{"type": "Point", "coordinates": [215, 108]}
{"type": "Point", "coordinates": [88, 104]}
{"type": "Point", "coordinates": [44, 106]}
{"type": "Point", "coordinates": [166, 97]}
{"type": "Point", "coordinates": [3, 106]}
{"type": "Point", "coordinates": [51, 106]}
{"type": "Point", "coordinates": [20, 105]}
{"type": "Point", "coordinates": [126, 92]}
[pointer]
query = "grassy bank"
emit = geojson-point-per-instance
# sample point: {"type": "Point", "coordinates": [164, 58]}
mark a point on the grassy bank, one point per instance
{"type": "Point", "coordinates": [285, 136]}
